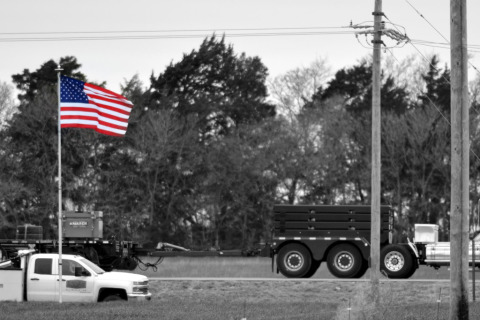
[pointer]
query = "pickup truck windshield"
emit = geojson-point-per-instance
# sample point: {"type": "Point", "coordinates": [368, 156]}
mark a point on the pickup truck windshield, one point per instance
{"type": "Point", "coordinates": [93, 266]}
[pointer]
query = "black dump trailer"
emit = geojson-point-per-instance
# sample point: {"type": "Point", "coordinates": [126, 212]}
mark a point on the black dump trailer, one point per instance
{"type": "Point", "coordinates": [304, 236]}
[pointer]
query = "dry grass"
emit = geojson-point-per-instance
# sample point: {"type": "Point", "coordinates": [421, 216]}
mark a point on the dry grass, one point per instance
{"type": "Point", "coordinates": [254, 300]}
{"type": "Point", "coordinates": [253, 267]}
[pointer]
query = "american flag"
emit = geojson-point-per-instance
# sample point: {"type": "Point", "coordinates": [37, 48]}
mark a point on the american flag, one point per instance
{"type": "Point", "coordinates": [84, 105]}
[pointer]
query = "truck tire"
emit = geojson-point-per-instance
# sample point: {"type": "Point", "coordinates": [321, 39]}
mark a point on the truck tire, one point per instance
{"type": "Point", "coordinates": [397, 262]}
{"type": "Point", "coordinates": [344, 261]}
{"type": "Point", "coordinates": [313, 269]}
{"type": "Point", "coordinates": [112, 297]}
{"type": "Point", "coordinates": [91, 254]}
{"type": "Point", "coordinates": [294, 261]}
{"type": "Point", "coordinates": [363, 269]}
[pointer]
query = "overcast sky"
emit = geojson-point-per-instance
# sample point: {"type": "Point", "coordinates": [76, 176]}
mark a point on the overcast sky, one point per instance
{"type": "Point", "coordinates": [243, 21]}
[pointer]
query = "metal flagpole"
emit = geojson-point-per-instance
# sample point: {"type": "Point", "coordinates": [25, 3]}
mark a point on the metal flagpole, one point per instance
{"type": "Point", "coordinates": [60, 244]}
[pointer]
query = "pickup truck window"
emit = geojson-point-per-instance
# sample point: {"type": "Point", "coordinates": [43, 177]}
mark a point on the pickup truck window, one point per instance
{"type": "Point", "coordinates": [93, 266]}
{"type": "Point", "coordinates": [68, 267]}
{"type": "Point", "coordinates": [43, 266]}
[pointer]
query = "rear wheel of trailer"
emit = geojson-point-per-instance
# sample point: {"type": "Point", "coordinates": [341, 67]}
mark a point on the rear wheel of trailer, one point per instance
{"type": "Point", "coordinates": [294, 260]}
{"type": "Point", "coordinates": [345, 261]}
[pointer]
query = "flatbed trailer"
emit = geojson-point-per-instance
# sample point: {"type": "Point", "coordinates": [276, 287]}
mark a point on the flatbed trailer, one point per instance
{"type": "Point", "coordinates": [83, 235]}
{"type": "Point", "coordinates": [108, 255]}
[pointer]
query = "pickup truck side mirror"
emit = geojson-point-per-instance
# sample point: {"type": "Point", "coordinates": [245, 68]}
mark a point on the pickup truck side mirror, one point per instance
{"type": "Point", "coordinates": [80, 272]}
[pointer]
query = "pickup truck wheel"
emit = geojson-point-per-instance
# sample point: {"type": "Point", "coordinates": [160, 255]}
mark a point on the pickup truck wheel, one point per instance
{"type": "Point", "coordinates": [294, 261]}
{"type": "Point", "coordinates": [344, 261]}
{"type": "Point", "coordinates": [397, 262]}
{"type": "Point", "coordinates": [112, 297]}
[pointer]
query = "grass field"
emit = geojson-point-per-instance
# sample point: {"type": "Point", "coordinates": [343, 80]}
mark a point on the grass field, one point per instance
{"type": "Point", "coordinates": [253, 298]}
{"type": "Point", "coordinates": [254, 267]}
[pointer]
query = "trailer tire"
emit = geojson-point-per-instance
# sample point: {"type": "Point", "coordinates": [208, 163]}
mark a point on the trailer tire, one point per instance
{"type": "Point", "coordinates": [363, 269]}
{"type": "Point", "coordinates": [91, 254]}
{"type": "Point", "coordinates": [294, 261]}
{"type": "Point", "coordinates": [130, 264]}
{"type": "Point", "coordinates": [397, 262]}
{"type": "Point", "coordinates": [313, 269]}
{"type": "Point", "coordinates": [344, 261]}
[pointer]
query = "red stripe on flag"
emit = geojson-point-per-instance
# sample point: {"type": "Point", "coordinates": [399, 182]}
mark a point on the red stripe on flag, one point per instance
{"type": "Point", "coordinates": [122, 102]}
{"type": "Point", "coordinates": [100, 113]}
{"type": "Point", "coordinates": [79, 117]}
{"type": "Point", "coordinates": [78, 125]}
{"type": "Point", "coordinates": [112, 108]}
{"type": "Point", "coordinates": [111, 125]}
{"type": "Point", "coordinates": [94, 127]}
{"type": "Point", "coordinates": [106, 91]}
{"type": "Point", "coordinates": [105, 123]}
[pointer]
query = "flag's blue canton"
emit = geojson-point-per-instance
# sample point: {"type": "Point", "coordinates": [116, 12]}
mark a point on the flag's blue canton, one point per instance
{"type": "Point", "coordinates": [71, 90]}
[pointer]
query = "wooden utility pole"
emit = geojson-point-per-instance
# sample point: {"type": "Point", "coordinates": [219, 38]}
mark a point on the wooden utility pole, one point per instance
{"type": "Point", "coordinates": [376, 152]}
{"type": "Point", "coordinates": [460, 146]}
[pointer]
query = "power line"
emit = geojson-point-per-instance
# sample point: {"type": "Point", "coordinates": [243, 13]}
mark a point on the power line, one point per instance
{"type": "Point", "coordinates": [440, 46]}
{"type": "Point", "coordinates": [60, 36]}
{"type": "Point", "coordinates": [431, 25]}
{"type": "Point", "coordinates": [153, 37]}
{"type": "Point", "coordinates": [433, 103]}
{"type": "Point", "coordinates": [166, 30]}
{"type": "Point", "coordinates": [167, 34]}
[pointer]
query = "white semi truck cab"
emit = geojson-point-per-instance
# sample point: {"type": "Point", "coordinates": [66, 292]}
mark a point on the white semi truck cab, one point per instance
{"type": "Point", "coordinates": [35, 277]}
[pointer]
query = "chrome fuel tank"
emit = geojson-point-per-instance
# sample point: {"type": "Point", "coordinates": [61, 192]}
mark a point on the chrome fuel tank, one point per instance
{"type": "Point", "coordinates": [439, 253]}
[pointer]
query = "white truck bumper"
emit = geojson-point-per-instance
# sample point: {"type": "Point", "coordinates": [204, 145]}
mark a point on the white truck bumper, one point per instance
{"type": "Point", "coordinates": [140, 297]}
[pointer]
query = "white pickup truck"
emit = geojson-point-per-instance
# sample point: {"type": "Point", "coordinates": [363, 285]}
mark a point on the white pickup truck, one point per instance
{"type": "Point", "coordinates": [35, 277]}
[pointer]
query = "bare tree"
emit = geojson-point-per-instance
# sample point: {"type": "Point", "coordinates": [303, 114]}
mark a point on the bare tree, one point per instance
{"type": "Point", "coordinates": [7, 104]}
{"type": "Point", "coordinates": [292, 90]}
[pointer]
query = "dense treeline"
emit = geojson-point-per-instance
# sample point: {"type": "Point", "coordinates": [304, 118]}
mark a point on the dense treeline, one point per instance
{"type": "Point", "coordinates": [211, 146]}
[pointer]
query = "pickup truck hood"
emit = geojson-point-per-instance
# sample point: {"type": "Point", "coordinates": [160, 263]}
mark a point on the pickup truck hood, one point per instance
{"type": "Point", "coordinates": [122, 276]}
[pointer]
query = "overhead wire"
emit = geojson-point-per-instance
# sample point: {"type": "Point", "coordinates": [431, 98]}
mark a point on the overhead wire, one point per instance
{"type": "Point", "coordinates": [421, 15]}
{"type": "Point", "coordinates": [170, 30]}
{"type": "Point", "coordinates": [167, 34]}
{"type": "Point", "coordinates": [447, 45]}
{"type": "Point", "coordinates": [431, 65]}
{"type": "Point", "coordinates": [441, 35]}
{"type": "Point", "coordinates": [433, 103]}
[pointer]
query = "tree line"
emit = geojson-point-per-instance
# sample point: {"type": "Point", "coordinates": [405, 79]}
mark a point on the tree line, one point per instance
{"type": "Point", "coordinates": [213, 144]}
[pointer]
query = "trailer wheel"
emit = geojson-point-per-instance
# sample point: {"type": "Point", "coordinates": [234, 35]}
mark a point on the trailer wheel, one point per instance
{"type": "Point", "coordinates": [294, 261]}
{"type": "Point", "coordinates": [91, 254]}
{"type": "Point", "coordinates": [397, 261]}
{"type": "Point", "coordinates": [363, 269]}
{"type": "Point", "coordinates": [313, 269]}
{"type": "Point", "coordinates": [344, 261]}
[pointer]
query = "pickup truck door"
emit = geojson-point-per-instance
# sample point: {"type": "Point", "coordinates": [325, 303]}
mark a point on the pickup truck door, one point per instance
{"type": "Point", "coordinates": [74, 289]}
{"type": "Point", "coordinates": [41, 280]}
